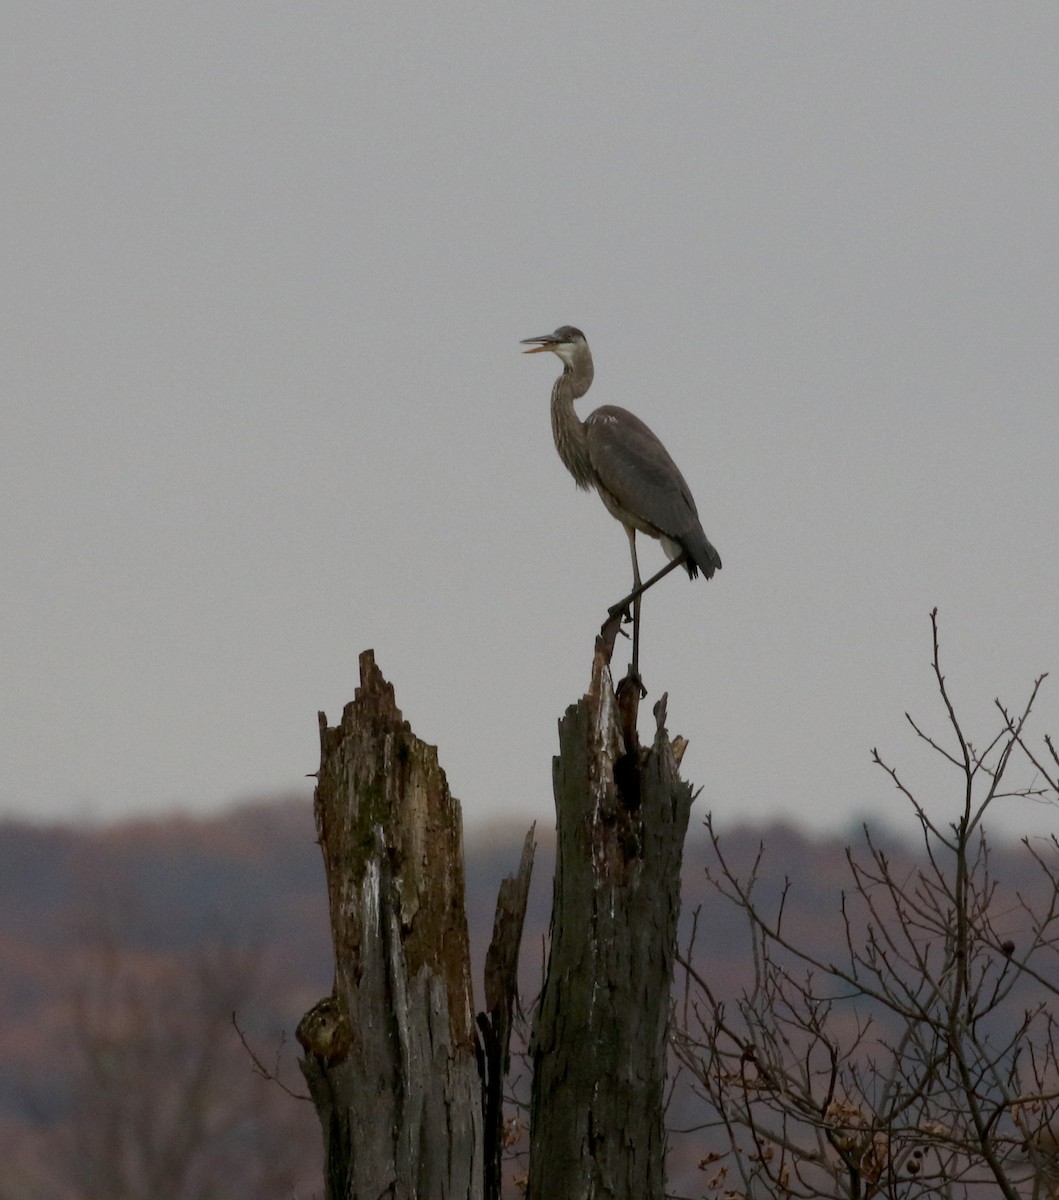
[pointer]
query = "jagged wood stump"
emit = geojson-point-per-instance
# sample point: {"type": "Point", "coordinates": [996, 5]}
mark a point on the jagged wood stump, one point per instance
{"type": "Point", "coordinates": [390, 1056]}
{"type": "Point", "coordinates": [600, 1038]}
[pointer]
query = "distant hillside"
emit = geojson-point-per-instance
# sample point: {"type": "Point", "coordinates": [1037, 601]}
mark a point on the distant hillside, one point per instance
{"type": "Point", "coordinates": [124, 950]}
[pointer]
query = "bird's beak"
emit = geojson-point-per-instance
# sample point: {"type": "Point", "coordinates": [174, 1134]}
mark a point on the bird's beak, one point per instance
{"type": "Point", "coordinates": [547, 341]}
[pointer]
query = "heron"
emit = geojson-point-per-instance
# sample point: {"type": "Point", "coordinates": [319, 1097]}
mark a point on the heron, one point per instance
{"type": "Point", "coordinates": [613, 451]}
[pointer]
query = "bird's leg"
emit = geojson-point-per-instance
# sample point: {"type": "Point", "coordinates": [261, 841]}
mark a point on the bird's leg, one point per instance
{"type": "Point", "coordinates": [635, 604]}
{"type": "Point", "coordinates": [634, 666]}
{"type": "Point", "coordinates": [623, 604]}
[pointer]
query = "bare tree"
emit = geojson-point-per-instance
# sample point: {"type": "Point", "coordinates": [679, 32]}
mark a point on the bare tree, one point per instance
{"type": "Point", "coordinates": [924, 1062]}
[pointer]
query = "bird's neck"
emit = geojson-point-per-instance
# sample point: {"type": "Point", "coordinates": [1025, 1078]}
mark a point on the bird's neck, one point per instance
{"type": "Point", "coordinates": [567, 428]}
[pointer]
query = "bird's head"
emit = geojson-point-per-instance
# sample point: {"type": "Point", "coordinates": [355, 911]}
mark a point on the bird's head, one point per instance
{"type": "Point", "coordinates": [567, 342]}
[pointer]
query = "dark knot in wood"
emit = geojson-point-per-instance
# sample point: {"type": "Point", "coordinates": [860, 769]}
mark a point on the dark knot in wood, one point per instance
{"type": "Point", "coordinates": [325, 1032]}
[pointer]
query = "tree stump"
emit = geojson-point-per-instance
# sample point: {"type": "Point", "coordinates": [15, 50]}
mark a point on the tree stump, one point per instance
{"type": "Point", "coordinates": [390, 1054]}
{"type": "Point", "coordinates": [600, 1039]}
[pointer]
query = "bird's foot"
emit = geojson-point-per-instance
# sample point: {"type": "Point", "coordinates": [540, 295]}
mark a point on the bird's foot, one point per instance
{"type": "Point", "coordinates": [607, 635]}
{"type": "Point", "coordinates": [612, 626]}
{"type": "Point", "coordinates": [632, 679]}
{"type": "Point", "coordinates": [609, 631]}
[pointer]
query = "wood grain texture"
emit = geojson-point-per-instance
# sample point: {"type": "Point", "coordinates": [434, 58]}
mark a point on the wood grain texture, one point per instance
{"type": "Point", "coordinates": [600, 1038]}
{"type": "Point", "coordinates": [390, 1055]}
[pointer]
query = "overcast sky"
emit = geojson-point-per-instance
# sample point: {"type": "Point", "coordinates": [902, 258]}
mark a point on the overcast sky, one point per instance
{"type": "Point", "coordinates": [265, 268]}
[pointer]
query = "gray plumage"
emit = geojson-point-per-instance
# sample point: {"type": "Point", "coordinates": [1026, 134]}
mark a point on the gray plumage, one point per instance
{"type": "Point", "coordinates": [615, 452]}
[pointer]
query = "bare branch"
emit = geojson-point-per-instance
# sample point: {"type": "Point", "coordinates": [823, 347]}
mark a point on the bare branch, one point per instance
{"type": "Point", "coordinates": [271, 1074]}
{"type": "Point", "coordinates": [925, 1063]}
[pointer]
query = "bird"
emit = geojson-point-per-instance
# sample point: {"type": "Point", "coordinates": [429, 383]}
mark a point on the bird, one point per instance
{"type": "Point", "coordinates": [641, 486]}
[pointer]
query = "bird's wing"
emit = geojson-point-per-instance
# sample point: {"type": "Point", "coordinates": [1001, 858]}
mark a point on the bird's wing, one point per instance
{"type": "Point", "coordinates": [636, 473]}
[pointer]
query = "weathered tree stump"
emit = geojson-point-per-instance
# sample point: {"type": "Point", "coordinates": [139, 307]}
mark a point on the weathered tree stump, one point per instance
{"type": "Point", "coordinates": [409, 1106]}
{"type": "Point", "coordinates": [390, 1055]}
{"type": "Point", "coordinates": [600, 1039]}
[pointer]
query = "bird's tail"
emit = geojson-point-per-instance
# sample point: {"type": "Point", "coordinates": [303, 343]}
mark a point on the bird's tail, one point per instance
{"type": "Point", "coordinates": [702, 555]}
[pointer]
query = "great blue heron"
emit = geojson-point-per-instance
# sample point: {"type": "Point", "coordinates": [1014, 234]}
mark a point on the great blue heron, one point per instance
{"type": "Point", "coordinates": [614, 452]}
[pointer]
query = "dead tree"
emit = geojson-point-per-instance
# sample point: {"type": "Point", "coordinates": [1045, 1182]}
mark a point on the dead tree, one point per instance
{"type": "Point", "coordinates": [390, 1054]}
{"type": "Point", "coordinates": [600, 1040]}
